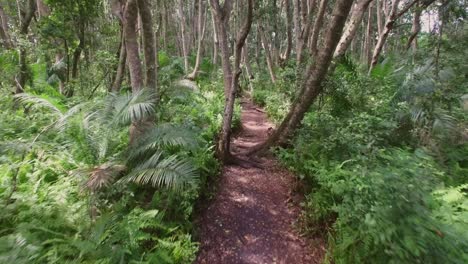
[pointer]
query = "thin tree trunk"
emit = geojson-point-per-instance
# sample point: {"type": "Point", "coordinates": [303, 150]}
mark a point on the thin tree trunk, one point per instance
{"type": "Point", "coordinates": [225, 137]}
{"type": "Point", "coordinates": [220, 19]}
{"type": "Point", "coordinates": [248, 69]}
{"type": "Point", "coordinates": [201, 36]}
{"type": "Point", "coordinates": [78, 51]}
{"type": "Point", "coordinates": [215, 41]}
{"type": "Point", "coordinates": [352, 26]}
{"type": "Point", "coordinates": [384, 35]}
{"type": "Point", "coordinates": [315, 73]}
{"type": "Point", "coordinates": [289, 19]}
{"type": "Point", "coordinates": [131, 43]}
{"type": "Point", "coordinates": [25, 20]}
{"type": "Point", "coordinates": [369, 35]}
{"type": "Point", "coordinates": [183, 37]}
{"type": "Point", "coordinates": [120, 72]}
{"type": "Point", "coordinates": [269, 61]}
{"type": "Point", "coordinates": [297, 28]}
{"type": "Point", "coordinates": [4, 35]}
{"type": "Point", "coordinates": [144, 8]}
{"type": "Point", "coordinates": [379, 17]}
{"type": "Point", "coordinates": [317, 26]}
{"type": "Point", "coordinates": [415, 29]}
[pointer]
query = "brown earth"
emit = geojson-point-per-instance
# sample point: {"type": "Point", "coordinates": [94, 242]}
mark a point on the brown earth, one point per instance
{"type": "Point", "coordinates": [254, 214]}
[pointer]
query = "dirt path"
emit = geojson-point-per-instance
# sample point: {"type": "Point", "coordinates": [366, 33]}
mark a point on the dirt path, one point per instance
{"type": "Point", "coordinates": [252, 217]}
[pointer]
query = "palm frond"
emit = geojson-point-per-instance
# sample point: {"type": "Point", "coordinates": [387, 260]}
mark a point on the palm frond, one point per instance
{"type": "Point", "coordinates": [162, 136]}
{"type": "Point", "coordinates": [37, 102]}
{"type": "Point", "coordinates": [172, 172]}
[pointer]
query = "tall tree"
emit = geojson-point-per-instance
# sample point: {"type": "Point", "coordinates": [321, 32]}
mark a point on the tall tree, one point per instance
{"type": "Point", "coordinates": [4, 32]}
{"type": "Point", "coordinates": [26, 10]}
{"type": "Point", "coordinates": [315, 74]}
{"type": "Point", "coordinates": [358, 11]}
{"type": "Point", "coordinates": [131, 43]}
{"type": "Point", "coordinates": [201, 28]}
{"type": "Point", "coordinates": [233, 80]}
{"type": "Point", "coordinates": [221, 18]}
{"type": "Point", "coordinates": [144, 9]}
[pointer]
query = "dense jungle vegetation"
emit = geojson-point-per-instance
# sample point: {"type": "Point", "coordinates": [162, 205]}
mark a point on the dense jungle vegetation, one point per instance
{"type": "Point", "coordinates": [116, 119]}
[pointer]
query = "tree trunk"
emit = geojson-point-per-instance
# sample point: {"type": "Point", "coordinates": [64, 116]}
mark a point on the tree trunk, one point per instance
{"type": "Point", "coordinates": [220, 19]}
{"type": "Point", "coordinates": [315, 73]}
{"type": "Point", "coordinates": [369, 35]}
{"type": "Point", "coordinates": [379, 16]}
{"type": "Point", "coordinates": [317, 26]}
{"type": "Point", "coordinates": [4, 35]}
{"type": "Point", "coordinates": [131, 43]}
{"type": "Point", "coordinates": [180, 10]}
{"type": "Point", "coordinates": [352, 26]}
{"type": "Point", "coordinates": [215, 41]}
{"type": "Point", "coordinates": [144, 9]}
{"type": "Point", "coordinates": [269, 61]}
{"type": "Point", "coordinates": [225, 137]}
{"type": "Point", "coordinates": [248, 69]}
{"type": "Point", "coordinates": [289, 19]}
{"type": "Point", "coordinates": [26, 16]}
{"type": "Point", "coordinates": [384, 35]}
{"type": "Point", "coordinates": [415, 29]}
{"type": "Point", "coordinates": [201, 36]}
{"type": "Point", "coordinates": [297, 28]}
{"type": "Point", "coordinates": [120, 72]}
{"type": "Point", "coordinates": [77, 54]}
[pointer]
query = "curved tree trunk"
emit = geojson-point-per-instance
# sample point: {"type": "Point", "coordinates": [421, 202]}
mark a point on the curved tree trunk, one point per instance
{"type": "Point", "coordinates": [201, 36]}
{"type": "Point", "coordinates": [415, 29]}
{"type": "Point", "coordinates": [316, 73]}
{"type": "Point", "coordinates": [225, 136]}
{"type": "Point", "coordinates": [384, 35]}
{"type": "Point", "coordinates": [183, 39]}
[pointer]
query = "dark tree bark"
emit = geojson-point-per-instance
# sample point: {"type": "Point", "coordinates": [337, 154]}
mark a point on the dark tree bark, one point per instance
{"type": "Point", "coordinates": [289, 29]}
{"type": "Point", "coordinates": [26, 15]}
{"type": "Point", "coordinates": [131, 43]}
{"type": "Point", "coordinates": [120, 72]}
{"type": "Point", "coordinates": [4, 34]}
{"type": "Point", "coordinates": [315, 73]}
{"type": "Point", "coordinates": [144, 9]}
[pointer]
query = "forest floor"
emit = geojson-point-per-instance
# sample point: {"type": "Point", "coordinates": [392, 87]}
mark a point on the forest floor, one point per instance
{"type": "Point", "coordinates": [254, 214]}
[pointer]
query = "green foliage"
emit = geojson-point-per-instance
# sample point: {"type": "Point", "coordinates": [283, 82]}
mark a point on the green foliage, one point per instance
{"type": "Point", "coordinates": [378, 164]}
{"type": "Point", "coordinates": [67, 179]}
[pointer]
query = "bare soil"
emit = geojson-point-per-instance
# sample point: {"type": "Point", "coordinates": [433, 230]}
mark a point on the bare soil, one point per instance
{"type": "Point", "coordinates": [254, 215]}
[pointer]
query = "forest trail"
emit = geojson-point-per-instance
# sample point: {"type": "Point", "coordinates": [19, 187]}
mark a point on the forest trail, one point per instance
{"type": "Point", "coordinates": [251, 218]}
